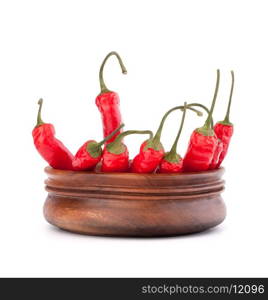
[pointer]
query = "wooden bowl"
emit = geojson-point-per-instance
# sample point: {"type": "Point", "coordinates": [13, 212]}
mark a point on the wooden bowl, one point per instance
{"type": "Point", "coordinates": [127, 204]}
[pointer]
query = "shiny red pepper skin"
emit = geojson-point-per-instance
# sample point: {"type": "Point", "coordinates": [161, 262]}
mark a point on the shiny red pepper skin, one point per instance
{"type": "Point", "coordinates": [152, 151]}
{"type": "Point", "coordinates": [115, 155]}
{"type": "Point", "coordinates": [90, 153]}
{"type": "Point", "coordinates": [224, 129]}
{"type": "Point", "coordinates": [170, 167]}
{"type": "Point", "coordinates": [203, 142]}
{"type": "Point", "coordinates": [108, 105]}
{"type": "Point", "coordinates": [224, 133]}
{"type": "Point", "coordinates": [216, 156]}
{"type": "Point", "coordinates": [83, 160]}
{"type": "Point", "coordinates": [108, 102]}
{"type": "Point", "coordinates": [200, 152]}
{"type": "Point", "coordinates": [147, 160]}
{"type": "Point", "coordinates": [115, 162]}
{"type": "Point", "coordinates": [172, 161]}
{"type": "Point", "coordinates": [50, 148]}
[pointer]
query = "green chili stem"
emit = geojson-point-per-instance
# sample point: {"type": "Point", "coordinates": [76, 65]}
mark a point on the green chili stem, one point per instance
{"type": "Point", "coordinates": [103, 86]}
{"type": "Point", "coordinates": [117, 146]}
{"type": "Point", "coordinates": [173, 150]}
{"type": "Point", "coordinates": [157, 136]}
{"type": "Point", "coordinates": [202, 106]}
{"type": "Point", "coordinates": [209, 118]}
{"type": "Point", "coordinates": [226, 119]}
{"type": "Point", "coordinates": [39, 119]}
{"type": "Point", "coordinates": [120, 137]}
{"type": "Point", "coordinates": [110, 135]}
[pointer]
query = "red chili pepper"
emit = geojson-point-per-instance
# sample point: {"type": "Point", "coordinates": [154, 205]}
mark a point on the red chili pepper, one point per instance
{"type": "Point", "coordinates": [108, 103]}
{"type": "Point", "coordinates": [203, 142]}
{"type": "Point", "coordinates": [49, 147]}
{"type": "Point", "coordinates": [115, 156]}
{"type": "Point", "coordinates": [217, 153]}
{"type": "Point", "coordinates": [152, 150]}
{"type": "Point", "coordinates": [219, 143]}
{"type": "Point", "coordinates": [224, 129]}
{"type": "Point", "coordinates": [90, 153]}
{"type": "Point", "coordinates": [172, 162]}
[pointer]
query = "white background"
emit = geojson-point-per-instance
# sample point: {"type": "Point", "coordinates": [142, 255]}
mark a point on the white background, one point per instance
{"type": "Point", "coordinates": [53, 49]}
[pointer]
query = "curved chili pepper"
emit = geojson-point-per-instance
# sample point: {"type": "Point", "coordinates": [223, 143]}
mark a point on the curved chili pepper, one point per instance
{"type": "Point", "coordinates": [48, 146]}
{"type": "Point", "coordinates": [152, 150]}
{"type": "Point", "coordinates": [115, 156]}
{"type": "Point", "coordinates": [219, 143]}
{"type": "Point", "coordinates": [89, 154]}
{"type": "Point", "coordinates": [224, 129]}
{"type": "Point", "coordinates": [172, 162]}
{"type": "Point", "coordinates": [108, 103]}
{"type": "Point", "coordinates": [217, 153]}
{"type": "Point", "coordinates": [203, 142]}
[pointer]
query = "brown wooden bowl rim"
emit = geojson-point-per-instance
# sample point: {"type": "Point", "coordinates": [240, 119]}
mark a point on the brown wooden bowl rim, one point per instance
{"type": "Point", "coordinates": [50, 170]}
{"type": "Point", "coordinates": [109, 185]}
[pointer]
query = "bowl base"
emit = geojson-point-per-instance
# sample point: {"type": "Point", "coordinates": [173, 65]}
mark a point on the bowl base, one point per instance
{"type": "Point", "coordinates": [134, 218]}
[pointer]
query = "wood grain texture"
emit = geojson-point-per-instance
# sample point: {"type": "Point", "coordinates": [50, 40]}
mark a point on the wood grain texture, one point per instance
{"type": "Point", "coordinates": [126, 204]}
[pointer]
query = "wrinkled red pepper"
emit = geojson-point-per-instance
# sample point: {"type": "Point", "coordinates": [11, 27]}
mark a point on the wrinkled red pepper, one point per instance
{"type": "Point", "coordinates": [152, 150]}
{"type": "Point", "coordinates": [217, 153]}
{"type": "Point", "coordinates": [203, 142]}
{"type": "Point", "coordinates": [108, 103]}
{"type": "Point", "coordinates": [115, 156]}
{"type": "Point", "coordinates": [224, 129]}
{"type": "Point", "coordinates": [173, 162]}
{"type": "Point", "coordinates": [48, 146]}
{"type": "Point", "coordinates": [90, 153]}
